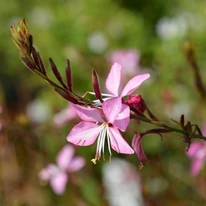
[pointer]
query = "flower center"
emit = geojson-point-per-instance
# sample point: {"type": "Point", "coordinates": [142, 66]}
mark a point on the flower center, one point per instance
{"type": "Point", "coordinates": [104, 134]}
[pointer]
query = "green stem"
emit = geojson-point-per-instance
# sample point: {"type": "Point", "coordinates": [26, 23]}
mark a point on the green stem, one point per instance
{"type": "Point", "coordinates": [160, 124]}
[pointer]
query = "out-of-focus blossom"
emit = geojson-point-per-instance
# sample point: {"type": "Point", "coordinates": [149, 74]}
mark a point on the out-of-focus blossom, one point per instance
{"type": "Point", "coordinates": [128, 59]}
{"type": "Point", "coordinates": [65, 115]}
{"type": "Point", "coordinates": [114, 78]}
{"type": "Point", "coordinates": [179, 108]}
{"type": "Point", "coordinates": [42, 17]}
{"type": "Point", "coordinates": [168, 28]}
{"type": "Point", "coordinates": [177, 101]}
{"type": "Point", "coordinates": [97, 42]}
{"type": "Point", "coordinates": [122, 184]}
{"type": "Point", "coordinates": [57, 174]}
{"type": "Point", "coordinates": [197, 153]}
{"type": "Point", "coordinates": [38, 111]}
{"type": "Point", "coordinates": [114, 116]}
{"type": "Point", "coordinates": [137, 146]}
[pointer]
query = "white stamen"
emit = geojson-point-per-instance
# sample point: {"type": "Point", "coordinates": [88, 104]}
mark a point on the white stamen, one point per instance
{"type": "Point", "coordinates": [108, 142]}
{"type": "Point", "coordinates": [101, 143]}
{"type": "Point", "coordinates": [103, 94]}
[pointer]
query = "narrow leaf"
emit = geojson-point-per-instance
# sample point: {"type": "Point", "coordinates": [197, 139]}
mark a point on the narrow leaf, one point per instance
{"type": "Point", "coordinates": [69, 75]}
{"type": "Point", "coordinates": [56, 73]}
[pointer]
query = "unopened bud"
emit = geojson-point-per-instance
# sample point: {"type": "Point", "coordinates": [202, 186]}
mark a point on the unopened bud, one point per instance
{"type": "Point", "coordinates": [56, 73]}
{"type": "Point", "coordinates": [96, 85]}
{"type": "Point", "coordinates": [69, 75]}
{"type": "Point", "coordinates": [136, 102]}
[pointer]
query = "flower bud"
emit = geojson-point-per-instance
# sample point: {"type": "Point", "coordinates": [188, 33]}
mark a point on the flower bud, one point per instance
{"type": "Point", "coordinates": [136, 102]}
{"type": "Point", "coordinates": [96, 86]}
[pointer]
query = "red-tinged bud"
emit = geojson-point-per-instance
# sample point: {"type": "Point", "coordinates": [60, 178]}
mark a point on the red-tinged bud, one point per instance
{"type": "Point", "coordinates": [42, 65]}
{"type": "Point", "coordinates": [22, 38]}
{"type": "Point", "coordinates": [182, 120]}
{"type": "Point", "coordinates": [69, 75]}
{"type": "Point", "coordinates": [137, 146]}
{"type": "Point", "coordinates": [188, 127]}
{"type": "Point", "coordinates": [28, 63]}
{"type": "Point", "coordinates": [56, 73]}
{"type": "Point", "coordinates": [96, 85]}
{"type": "Point", "coordinates": [38, 61]}
{"type": "Point", "coordinates": [136, 102]}
{"type": "Point", "coordinates": [66, 96]}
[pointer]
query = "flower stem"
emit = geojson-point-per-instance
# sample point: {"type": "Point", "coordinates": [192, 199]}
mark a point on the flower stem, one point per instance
{"type": "Point", "coordinates": [173, 129]}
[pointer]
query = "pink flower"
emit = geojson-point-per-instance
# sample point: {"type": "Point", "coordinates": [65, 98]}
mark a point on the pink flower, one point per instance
{"type": "Point", "coordinates": [137, 146]}
{"type": "Point", "coordinates": [197, 153]}
{"type": "Point", "coordinates": [128, 58]}
{"type": "Point", "coordinates": [57, 174]}
{"type": "Point", "coordinates": [114, 78]}
{"type": "Point", "coordinates": [113, 116]}
{"type": "Point", "coordinates": [65, 115]}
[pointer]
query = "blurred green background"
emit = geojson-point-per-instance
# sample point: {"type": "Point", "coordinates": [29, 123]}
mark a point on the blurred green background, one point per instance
{"type": "Point", "coordinates": [86, 32]}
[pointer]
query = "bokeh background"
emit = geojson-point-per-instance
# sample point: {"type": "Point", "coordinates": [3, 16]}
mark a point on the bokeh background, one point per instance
{"type": "Point", "coordinates": [86, 32]}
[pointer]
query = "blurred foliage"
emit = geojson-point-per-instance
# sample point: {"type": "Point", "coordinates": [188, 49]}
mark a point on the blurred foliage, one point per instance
{"type": "Point", "coordinates": [64, 29]}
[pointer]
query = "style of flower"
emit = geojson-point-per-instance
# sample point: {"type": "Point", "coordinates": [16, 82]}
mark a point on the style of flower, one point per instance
{"type": "Point", "coordinates": [128, 58]}
{"type": "Point", "coordinates": [57, 174]}
{"type": "Point", "coordinates": [137, 146]}
{"type": "Point", "coordinates": [197, 153]}
{"type": "Point", "coordinates": [114, 78]}
{"type": "Point", "coordinates": [113, 117]}
{"type": "Point", "coordinates": [65, 115]}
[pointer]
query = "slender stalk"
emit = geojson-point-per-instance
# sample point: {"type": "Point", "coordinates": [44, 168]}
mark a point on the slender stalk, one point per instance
{"type": "Point", "coordinates": [160, 124]}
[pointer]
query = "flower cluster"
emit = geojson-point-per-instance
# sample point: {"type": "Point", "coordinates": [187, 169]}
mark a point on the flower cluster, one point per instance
{"type": "Point", "coordinates": [106, 118]}
{"type": "Point", "coordinates": [103, 123]}
{"type": "Point", "coordinates": [58, 174]}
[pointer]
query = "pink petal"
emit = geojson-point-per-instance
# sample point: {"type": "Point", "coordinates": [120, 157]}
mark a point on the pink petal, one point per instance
{"type": "Point", "coordinates": [111, 108]}
{"type": "Point", "coordinates": [58, 182]}
{"type": "Point", "coordinates": [118, 143]}
{"type": "Point", "coordinates": [65, 156]}
{"type": "Point", "coordinates": [133, 84]}
{"type": "Point", "coordinates": [194, 148]}
{"type": "Point", "coordinates": [46, 173]}
{"type": "Point", "coordinates": [137, 145]}
{"type": "Point", "coordinates": [65, 115]}
{"type": "Point", "coordinates": [76, 164]}
{"type": "Point", "coordinates": [84, 133]}
{"type": "Point", "coordinates": [114, 78]}
{"type": "Point", "coordinates": [128, 59]}
{"type": "Point", "coordinates": [196, 166]}
{"type": "Point", "coordinates": [88, 114]}
{"type": "Point", "coordinates": [123, 118]}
